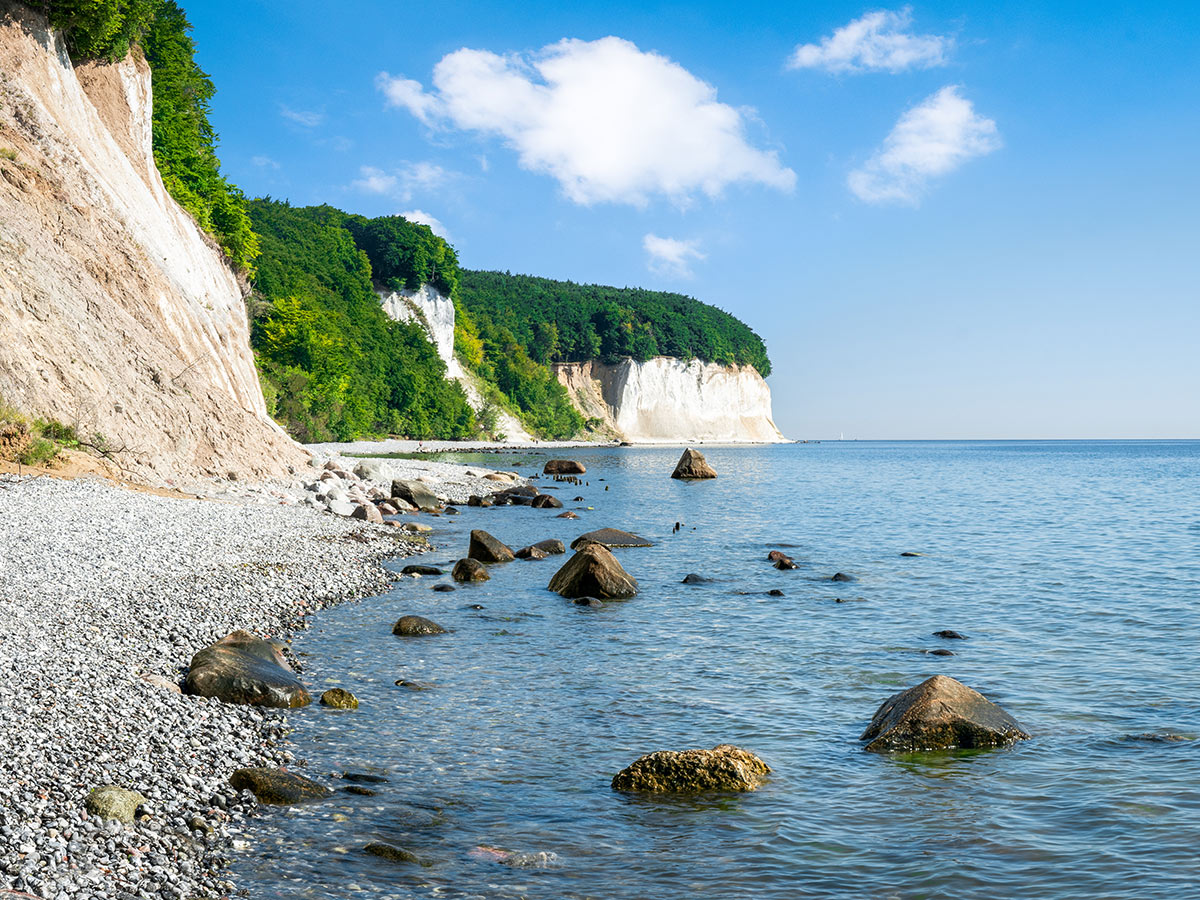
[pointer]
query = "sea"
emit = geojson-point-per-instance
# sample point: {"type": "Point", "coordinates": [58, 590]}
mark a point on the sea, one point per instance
{"type": "Point", "coordinates": [1072, 568]}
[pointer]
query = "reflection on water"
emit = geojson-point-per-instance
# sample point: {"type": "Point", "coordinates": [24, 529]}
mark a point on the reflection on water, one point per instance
{"type": "Point", "coordinates": [1073, 569]}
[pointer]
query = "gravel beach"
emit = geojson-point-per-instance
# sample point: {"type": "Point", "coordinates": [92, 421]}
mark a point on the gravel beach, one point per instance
{"type": "Point", "coordinates": [100, 586]}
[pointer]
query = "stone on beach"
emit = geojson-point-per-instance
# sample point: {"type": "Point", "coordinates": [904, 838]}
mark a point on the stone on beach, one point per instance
{"type": "Point", "coordinates": [240, 668]}
{"type": "Point", "coordinates": [416, 493]}
{"type": "Point", "coordinates": [368, 512]}
{"type": "Point", "coordinates": [594, 572]}
{"type": "Point", "coordinates": [339, 698]}
{"type": "Point", "coordinates": [693, 465]}
{"type": "Point", "coordinates": [723, 768]}
{"type": "Point", "coordinates": [563, 467]}
{"type": "Point", "coordinates": [610, 537]}
{"type": "Point", "coordinates": [277, 787]}
{"type": "Point", "coordinates": [469, 570]}
{"type": "Point", "coordinates": [940, 713]}
{"type": "Point", "coordinates": [416, 626]}
{"type": "Point", "coordinates": [487, 549]}
{"type": "Point", "coordinates": [112, 802]}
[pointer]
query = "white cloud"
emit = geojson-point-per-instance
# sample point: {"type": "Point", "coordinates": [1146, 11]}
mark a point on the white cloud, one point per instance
{"type": "Point", "coordinates": [931, 139]}
{"type": "Point", "coordinates": [670, 256]}
{"type": "Point", "coordinates": [879, 40]}
{"type": "Point", "coordinates": [264, 162]}
{"type": "Point", "coordinates": [612, 124]}
{"type": "Point", "coordinates": [404, 182]}
{"type": "Point", "coordinates": [307, 118]}
{"type": "Point", "coordinates": [424, 218]}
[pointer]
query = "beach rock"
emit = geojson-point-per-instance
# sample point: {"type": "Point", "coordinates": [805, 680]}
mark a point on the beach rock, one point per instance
{"type": "Point", "coordinates": [486, 548]}
{"type": "Point", "coordinates": [446, 588]}
{"type": "Point", "coordinates": [359, 790]}
{"type": "Point", "coordinates": [339, 698]}
{"type": "Point", "coordinates": [775, 592]}
{"type": "Point", "coordinates": [342, 508]}
{"type": "Point", "coordinates": [940, 713]}
{"type": "Point", "coordinates": [842, 577]}
{"type": "Point", "coordinates": [518, 495]}
{"type": "Point", "coordinates": [498, 476]}
{"type": "Point", "coordinates": [693, 578]}
{"type": "Point", "coordinates": [401, 505]}
{"type": "Point", "coordinates": [776, 556]}
{"type": "Point", "coordinates": [416, 626]}
{"type": "Point", "coordinates": [567, 515]}
{"type": "Point", "coordinates": [112, 802]}
{"type": "Point", "coordinates": [563, 467]}
{"type": "Point", "coordinates": [476, 500]}
{"type": "Point", "coordinates": [910, 554]}
{"type": "Point", "coordinates": [420, 570]}
{"type": "Point", "coordinates": [949, 635]}
{"type": "Point", "coordinates": [368, 512]}
{"type": "Point", "coordinates": [531, 553]}
{"type": "Point", "coordinates": [594, 572]}
{"type": "Point", "coordinates": [386, 508]}
{"type": "Point", "coordinates": [416, 493]}
{"type": "Point", "coordinates": [469, 570]}
{"type": "Point", "coordinates": [393, 854]}
{"type": "Point", "coordinates": [416, 528]}
{"type": "Point", "coordinates": [786, 563]}
{"type": "Point", "coordinates": [450, 511]}
{"type": "Point", "coordinates": [723, 768]}
{"type": "Point", "coordinates": [551, 546]}
{"type": "Point", "coordinates": [364, 778]}
{"type": "Point", "coordinates": [546, 501]}
{"type": "Point", "coordinates": [610, 537]}
{"type": "Point", "coordinates": [693, 465]}
{"type": "Point", "coordinates": [277, 787]}
{"type": "Point", "coordinates": [240, 668]}
{"type": "Point", "coordinates": [161, 682]}
{"type": "Point", "coordinates": [940, 651]}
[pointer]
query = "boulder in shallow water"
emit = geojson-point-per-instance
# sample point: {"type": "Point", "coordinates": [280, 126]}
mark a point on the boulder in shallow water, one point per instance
{"type": "Point", "coordinates": [476, 500]}
{"type": "Point", "coordinates": [275, 786]}
{"type": "Point", "coordinates": [487, 549]}
{"type": "Point", "coordinates": [594, 572]}
{"type": "Point", "coordinates": [940, 713]}
{"type": "Point", "coordinates": [469, 570]}
{"type": "Point", "coordinates": [546, 501]}
{"type": "Point", "coordinates": [949, 635]}
{"type": "Point", "coordinates": [567, 515]}
{"type": "Point", "coordinates": [693, 465]}
{"type": "Point", "coordinates": [531, 553]}
{"type": "Point", "coordinates": [563, 467]}
{"type": "Point", "coordinates": [723, 768]}
{"type": "Point", "coordinates": [240, 668]}
{"type": "Point", "coordinates": [610, 537]}
{"type": "Point", "coordinates": [112, 802]}
{"type": "Point", "coordinates": [693, 578]}
{"type": "Point", "coordinates": [842, 577]}
{"type": "Point", "coordinates": [416, 626]}
{"type": "Point", "coordinates": [394, 854]}
{"type": "Point", "coordinates": [416, 493]}
{"type": "Point", "coordinates": [420, 570]}
{"type": "Point", "coordinates": [551, 546]}
{"type": "Point", "coordinates": [785, 562]}
{"type": "Point", "coordinates": [339, 698]}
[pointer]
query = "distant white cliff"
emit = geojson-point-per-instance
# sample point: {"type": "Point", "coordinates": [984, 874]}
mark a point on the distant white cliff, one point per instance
{"type": "Point", "coordinates": [672, 400]}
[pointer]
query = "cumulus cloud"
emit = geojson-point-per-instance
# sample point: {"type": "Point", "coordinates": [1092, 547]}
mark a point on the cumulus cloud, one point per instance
{"type": "Point", "coordinates": [424, 218]}
{"type": "Point", "coordinates": [670, 256]}
{"type": "Point", "coordinates": [403, 182]}
{"type": "Point", "coordinates": [931, 139]}
{"type": "Point", "coordinates": [879, 40]}
{"type": "Point", "coordinates": [611, 123]}
{"type": "Point", "coordinates": [304, 117]}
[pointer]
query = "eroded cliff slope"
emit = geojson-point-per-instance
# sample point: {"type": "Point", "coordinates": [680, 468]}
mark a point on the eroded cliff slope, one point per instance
{"type": "Point", "coordinates": [117, 314]}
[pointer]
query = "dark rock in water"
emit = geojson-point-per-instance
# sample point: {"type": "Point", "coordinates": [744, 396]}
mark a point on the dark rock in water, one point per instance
{"type": "Point", "coordinates": [475, 500]}
{"type": "Point", "coordinates": [411, 685]}
{"type": "Point", "coordinates": [567, 515]}
{"type": "Point", "coordinates": [610, 537]}
{"type": "Point", "coordinates": [531, 553]}
{"type": "Point", "coordinates": [393, 854]}
{"type": "Point", "coordinates": [551, 546]}
{"type": "Point", "coordinates": [940, 713]}
{"type": "Point", "coordinates": [693, 578]}
{"type": "Point", "coordinates": [368, 512]}
{"type": "Point", "coordinates": [364, 778]}
{"type": "Point", "coordinates": [775, 592]}
{"type": "Point", "coordinates": [842, 576]}
{"type": "Point", "coordinates": [941, 651]}
{"type": "Point", "coordinates": [476, 606]}
{"type": "Point", "coordinates": [776, 556]}
{"type": "Point", "coordinates": [909, 553]}
{"type": "Point", "coordinates": [577, 500]}
{"type": "Point", "coordinates": [594, 572]}
{"type": "Point", "coordinates": [240, 668]}
{"type": "Point", "coordinates": [444, 588]}
{"type": "Point", "coordinates": [785, 563]}
{"type": "Point", "coordinates": [115, 803]}
{"type": "Point", "coordinates": [587, 601]}
{"type": "Point", "coordinates": [1159, 737]}
{"type": "Point", "coordinates": [469, 570]}
{"type": "Point", "coordinates": [517, 495]}
{"type": "Point", "coordinates": [359, 790]}
{"type": "Point", "coordinates": [386, 508]}
{"type": "Point", "coordinates": [420, 570]}
{"type": "Point", "coordinates": [546, 501]}
{"type": "Point", "coordinates": [486, 548]}
{"type": "Point", "coordinates": [278, 787]}
{"type": "Point", "coordinates": [339, 698]}
{"type": "Point", "coordinates": [723, 768]}
{"type": "Point", "coordinates": [416, 626]}
{"type": "Point", "coordinates": [950, 635]}
{"type": "Point", "coordinates": [450, 511]}
{"type": "Point", "coordinates": [417, 493]}
{"type": "Point", "coordinates": [563, 467]}
{"type": "Point", "coordinates": [693, 465]}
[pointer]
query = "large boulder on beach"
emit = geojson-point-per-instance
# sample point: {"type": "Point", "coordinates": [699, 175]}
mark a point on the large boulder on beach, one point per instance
{"type": "Point", "coordinates": [723, 768]}
{"type": "Point", "coordinates": [610, 537]}
{"type": "Point", "coordinates": [594, 572]}
{"type": "Point", "coordinates": [368, 512]}
{"type": "Point", "coordinates": [563, 467]}
{"type": "Point", "coordinates": [469, 570]}
{"type": "Point", "coordinates": [693, 465]}
{"type": "Point", "coordinates": [486, 548]}
{"type": "Point", "coordinates": [940, 713]}
{"type": "Point", "coordinates": [112, 802]}
{"type": "Point", "coordinates": [416, 626]}
{"type": "Point", "coordinates": [240, 668]}
{"type": "Point", "coordinates": [417, 493]}
{"type": "Point", "coordinates": [277, 787]}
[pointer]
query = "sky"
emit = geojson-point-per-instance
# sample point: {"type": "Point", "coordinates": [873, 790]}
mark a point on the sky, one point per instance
{"type": "Point", "coordinates": [946, 220]}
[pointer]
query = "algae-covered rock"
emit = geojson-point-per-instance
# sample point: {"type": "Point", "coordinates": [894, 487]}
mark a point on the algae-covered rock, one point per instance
{"type": "Point", "coordinates": [339, 698]}
{"type": "Point", "coordinates": [940, 713]}
{"type": "Point", "coordinates": [416, 626]}
{"type": "Point", "coordinates": [112, 802]}
{"type": "Point", "coordinates": [723, 768]}
{"type": "Point", "coordinates": [277, 787]}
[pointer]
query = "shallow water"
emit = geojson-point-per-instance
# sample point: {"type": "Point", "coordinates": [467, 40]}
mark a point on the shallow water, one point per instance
{"type": "Point", "coordinates": [1074, 568]}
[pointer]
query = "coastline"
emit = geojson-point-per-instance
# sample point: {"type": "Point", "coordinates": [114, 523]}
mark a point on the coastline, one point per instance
{"type": "Point", "coordinates": [391, 445]}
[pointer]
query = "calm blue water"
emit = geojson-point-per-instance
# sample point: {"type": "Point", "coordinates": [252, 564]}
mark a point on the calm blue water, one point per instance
{"type": "Point", "coordinates": [1074, 568]}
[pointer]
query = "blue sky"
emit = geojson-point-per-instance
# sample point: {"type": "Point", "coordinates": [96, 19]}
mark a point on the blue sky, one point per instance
{"type": "Point", "coordinates": [946, 220]}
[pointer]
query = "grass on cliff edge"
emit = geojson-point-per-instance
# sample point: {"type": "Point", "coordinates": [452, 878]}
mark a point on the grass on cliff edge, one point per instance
{"type": "Point", "coordinates": [32, 442]}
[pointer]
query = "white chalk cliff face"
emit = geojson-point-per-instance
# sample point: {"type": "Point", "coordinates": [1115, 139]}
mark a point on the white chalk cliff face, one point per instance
{"type": "Point", "coordinates": [117, 314]}
{"type": "Point", "coordinates": [434, 312]}
{"type": "Point", "coordinates": [668, 400]}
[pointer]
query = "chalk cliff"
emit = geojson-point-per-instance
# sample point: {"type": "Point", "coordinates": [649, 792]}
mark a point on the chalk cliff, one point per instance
{"type": "Point", "coordinates": [117, 314]}
{"type": "Point", "coordinates": [672, 400]}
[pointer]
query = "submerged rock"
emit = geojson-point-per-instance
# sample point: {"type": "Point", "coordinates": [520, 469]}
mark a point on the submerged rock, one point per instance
{"type": "Point", "coordinates": [563, 467]}
{"type": "Point", "coordinates": [531, 553]}
{"type": "Point", "coordinates": [775, 592]}
{"type": "Point", "coordinates": [842, 577]}
{"type": "Point", "coordinates": [693, 465]}
{"type": "Point", "coordinates": [610, 537]}
{"type": "Point", "coordinates": [486, 548]}
{"type": "Point", "coordinates": [518, 495]}
{"type": "Point", "coordinates": [416, 493]}
{"type": "Point", "coordinates": [416, 626]}
{"type": "Point", "coordinates": [693, 578]}
{"type": "Point", "coordinates": [909, 554]}
{"type": "Point", "coordinates": [553, 545]}
{"type": "Point", "coordinates": [594, 572]}
{"type": "Point", "coordinates": [443, 588]}
{"type": "Point", "coordinates": [949, 635]}
{"type": "Point", "coordinates": [469, 570]}
{"type": "Point", "coordinates": [394, 854]}
{"type": "Point", "coordinates": [567, 515]}
{"type": "Point", "coordinates": [786, 562]}
{"type": "Point", "coordinates": [940, 713]}
{"type": "Point", "coordinates": [776, 555]}
{"type": "Point", "coordinates": [723, 768]}
{"type": "Point", "coordinates": [420, 570]}
{"type": "Point", "coordinates": [278, 787]}
{"type": "Point", "coordinates": [112, 802]}
{"type": "Point", "coordinates": [546, 501]}
{"type": "Point", "coordinates": [339, 698]}
{"type": "Point", "coordinates": [240, 668]}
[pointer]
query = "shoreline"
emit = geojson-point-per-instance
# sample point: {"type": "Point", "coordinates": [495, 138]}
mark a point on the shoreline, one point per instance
{"type": "Point", "coordinates": [396, 445]}
{"type": "Point", "coordinates": [101, 585]}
